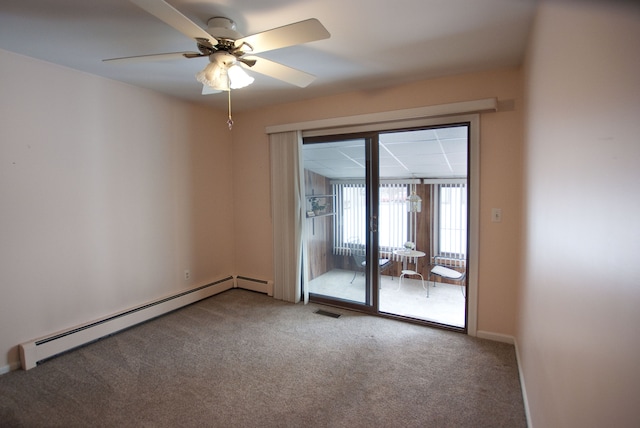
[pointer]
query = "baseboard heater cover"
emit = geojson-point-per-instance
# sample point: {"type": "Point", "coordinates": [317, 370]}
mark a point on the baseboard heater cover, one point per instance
{"type": "Point", "coordinates": [260, 285]}
{"type": "Point", "coordinates": [46, 347]}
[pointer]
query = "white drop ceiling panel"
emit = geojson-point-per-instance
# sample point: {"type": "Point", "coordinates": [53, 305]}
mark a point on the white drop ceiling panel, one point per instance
{"type": "Point", "coordinates": [430, 153]}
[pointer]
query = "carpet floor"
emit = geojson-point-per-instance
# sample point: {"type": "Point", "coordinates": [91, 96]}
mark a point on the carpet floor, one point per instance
{"type": "Point", "coordinates": [242, 359]}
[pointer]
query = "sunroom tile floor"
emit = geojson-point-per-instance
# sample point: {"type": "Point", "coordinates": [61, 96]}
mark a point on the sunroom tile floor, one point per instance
{"type": "Point", "coordinates": [445, 304]}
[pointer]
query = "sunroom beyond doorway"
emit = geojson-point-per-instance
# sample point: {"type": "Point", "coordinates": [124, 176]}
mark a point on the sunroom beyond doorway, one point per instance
{"type": "Point", "coordinates": [430, 162]}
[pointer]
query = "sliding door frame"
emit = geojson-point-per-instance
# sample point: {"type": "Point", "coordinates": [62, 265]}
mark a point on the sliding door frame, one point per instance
{"type": "Point", "coordinates": [411, 118]}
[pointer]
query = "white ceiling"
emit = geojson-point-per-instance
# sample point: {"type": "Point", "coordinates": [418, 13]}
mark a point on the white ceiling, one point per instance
{"type": "Point", "coordinates": [428, 153]}
{"type": "Point", "coordinates": [373, 44]}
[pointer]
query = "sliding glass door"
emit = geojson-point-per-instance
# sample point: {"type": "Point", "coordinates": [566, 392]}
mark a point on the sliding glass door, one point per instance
{"type": "Point", "coordinates": [337, 220]}
{"type": "Point", "coordinates": [386, 228]}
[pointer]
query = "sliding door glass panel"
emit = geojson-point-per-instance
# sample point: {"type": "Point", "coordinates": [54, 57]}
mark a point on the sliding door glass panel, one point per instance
{"type": "Point", "coordinates": [336, 220]}
{"type": "Point", "coordinates": [423, 218]}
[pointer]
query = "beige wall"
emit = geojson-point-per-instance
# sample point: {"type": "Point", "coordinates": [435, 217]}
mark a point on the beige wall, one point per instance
{"type": "Point", "coordinates": [579, 334]}
{"type": "Point", "coordinates": [116, 190]}
{"type": "Point", "coordinates": [107, 193]}
{"type": "Point", "coordinates": [501, 140]}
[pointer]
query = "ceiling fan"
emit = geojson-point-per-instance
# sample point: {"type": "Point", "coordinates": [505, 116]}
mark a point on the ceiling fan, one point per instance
{"type": "Point", "coordinates": [228, 51]}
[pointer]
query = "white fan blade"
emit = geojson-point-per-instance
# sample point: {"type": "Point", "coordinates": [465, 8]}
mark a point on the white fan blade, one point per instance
{"type": "Point", "coordinates": [153, 57]}
{"type": "Point", "coordinates": [170, 15]}
{"type": "Point", "coordinates": [289, 35]}
{"type": "Point", "coordinates": [208, 90]}
{"type": "Point", "coordinates": [281, 72]}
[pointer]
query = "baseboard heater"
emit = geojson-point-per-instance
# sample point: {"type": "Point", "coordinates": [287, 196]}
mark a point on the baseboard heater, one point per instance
{"type": "Point", "coordinates": [253, 284]}
{"type": "Point", "coordinates": [46, 347]}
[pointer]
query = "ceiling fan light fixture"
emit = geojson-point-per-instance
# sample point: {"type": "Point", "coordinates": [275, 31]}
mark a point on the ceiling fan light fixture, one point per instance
{"type": "Point", "coordinates": [226, 47]}
{"type": "Point", "coordinates": [214, 76]}
{"type": "Point", "coordinates": [238, 78]}
{"type": "Point", "coordinates": [223, 73]}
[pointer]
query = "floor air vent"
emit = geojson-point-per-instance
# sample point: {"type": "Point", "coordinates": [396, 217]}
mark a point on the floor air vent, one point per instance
{"type": "Point", "coordinates": [327, 313]}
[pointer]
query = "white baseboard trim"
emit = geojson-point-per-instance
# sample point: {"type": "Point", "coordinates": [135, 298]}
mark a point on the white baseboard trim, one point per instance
{"type": "Point", "coordinates": [496, 337]}
{"type": "Point", "coordinates": [523, 387]}
{"type": "Point", "coordinates": [505, 338]}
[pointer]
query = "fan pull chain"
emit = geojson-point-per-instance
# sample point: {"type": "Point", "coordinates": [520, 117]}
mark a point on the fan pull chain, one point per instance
{"type": "Point", "coordinates": [230, 121]}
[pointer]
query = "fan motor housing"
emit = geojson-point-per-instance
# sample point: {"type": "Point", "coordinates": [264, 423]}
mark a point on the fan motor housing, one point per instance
{"type": "Point", "coordinates": [222, 58]}
{"type": "Point", "coordinates": [222, 28]}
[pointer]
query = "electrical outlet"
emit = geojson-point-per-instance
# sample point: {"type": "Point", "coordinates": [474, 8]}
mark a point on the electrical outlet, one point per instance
{"type": "Point", "coordinates": [496, 215]}
{"type": "Point", "coordinates": [187, 275]}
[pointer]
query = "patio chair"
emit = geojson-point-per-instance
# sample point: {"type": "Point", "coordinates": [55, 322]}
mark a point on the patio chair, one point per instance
{"type": "Point", "coordinates": [360, 262]}
{"type": "Point", "coordinates": [447, 273]}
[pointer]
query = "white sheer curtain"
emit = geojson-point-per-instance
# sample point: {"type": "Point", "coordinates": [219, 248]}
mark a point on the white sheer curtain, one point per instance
{"type": "Point", "coordinates": [287, 213]}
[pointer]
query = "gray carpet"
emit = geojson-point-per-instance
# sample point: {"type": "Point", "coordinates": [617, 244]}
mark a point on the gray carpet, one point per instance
{"type": "Point", "coordinates": [242, 359]}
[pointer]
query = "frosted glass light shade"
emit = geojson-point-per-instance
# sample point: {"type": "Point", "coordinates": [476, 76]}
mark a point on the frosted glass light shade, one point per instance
{"type": "Point", "coordinates": [214, 76]}
{"type": "Point", "coordinates": [222, 77]}
{"type": "Point", "coordinates": [238, 78]}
